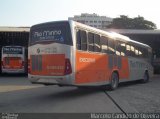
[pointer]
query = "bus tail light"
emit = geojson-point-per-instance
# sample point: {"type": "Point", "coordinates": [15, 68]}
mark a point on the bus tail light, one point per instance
{"type": "Point", "coordinates": [29, 66]}
{"type": "Point", "coordinates": [68, 68]}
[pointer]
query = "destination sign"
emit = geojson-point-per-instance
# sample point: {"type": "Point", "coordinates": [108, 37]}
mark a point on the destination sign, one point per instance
{"type": "Point", "coordinates": [12, 50]}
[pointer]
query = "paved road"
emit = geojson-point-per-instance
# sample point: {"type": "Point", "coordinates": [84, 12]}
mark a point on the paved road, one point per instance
{"type": "Point", "coordinates": [52, 98]}
{"type": "Point", "coordinates": [13, 83]}
{"type": "Point", "coordinates": [143, 98]}
{"type": "Point", "coordinates": [129, 97]}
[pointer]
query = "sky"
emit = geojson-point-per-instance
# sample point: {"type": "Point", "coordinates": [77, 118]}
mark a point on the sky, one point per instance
{"type": "Point", "coordinates": [30, 12]}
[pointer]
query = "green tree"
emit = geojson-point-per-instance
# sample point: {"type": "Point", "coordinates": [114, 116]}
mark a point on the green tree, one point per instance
{"type": "Point", "coordinates": [124, 22]}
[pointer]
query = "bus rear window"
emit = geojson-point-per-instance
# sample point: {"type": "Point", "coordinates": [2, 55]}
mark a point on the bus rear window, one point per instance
{"type": "Point", "coordinates": [58, 32]}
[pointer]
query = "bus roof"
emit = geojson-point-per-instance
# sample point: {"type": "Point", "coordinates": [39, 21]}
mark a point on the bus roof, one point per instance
{"type": "Point", "coordinates": [49, 23]}
{"type": "Point", "coordinates": [114, 35]}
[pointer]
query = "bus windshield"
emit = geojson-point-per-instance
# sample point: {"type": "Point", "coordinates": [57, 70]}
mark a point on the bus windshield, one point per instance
{"type": "Point", "coordinates": [12, 50]}
{"type": "Point", "coordinates": [53, 32]}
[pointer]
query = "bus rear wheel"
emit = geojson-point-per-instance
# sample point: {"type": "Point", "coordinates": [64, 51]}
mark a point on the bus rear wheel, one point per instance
{"type": "Point", "coordinates": [145, 77]}
{"type": "Point", "coordinates": [114, 81]}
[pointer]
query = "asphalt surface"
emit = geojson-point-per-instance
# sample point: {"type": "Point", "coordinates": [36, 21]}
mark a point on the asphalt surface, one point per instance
{"type": "Point", "coordinates": [128, 98]}
{"type": "Point", "coordinates": [143, 98]}
{"type": "Point", "coordinates": [52, 99]}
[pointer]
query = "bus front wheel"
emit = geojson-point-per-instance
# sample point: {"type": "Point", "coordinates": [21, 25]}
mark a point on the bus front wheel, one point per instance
{"type": "Point", "coordinates": [114, 81]}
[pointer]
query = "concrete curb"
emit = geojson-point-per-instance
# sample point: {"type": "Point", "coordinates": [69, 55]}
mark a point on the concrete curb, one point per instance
{"type": "Point", "coordinates": [8, 88]}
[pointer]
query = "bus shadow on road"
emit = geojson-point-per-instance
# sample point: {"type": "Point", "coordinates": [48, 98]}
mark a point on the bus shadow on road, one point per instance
{"type": "Point", "coordinates": [77, 92]}
{"type": "Point", "coordinates": [130, 83]}
{"type": "Point", "coordinates": [84, 91]}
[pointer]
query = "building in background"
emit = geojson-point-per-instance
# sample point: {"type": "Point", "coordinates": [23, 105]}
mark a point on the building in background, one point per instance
{"type": "Point", "coordinates": [94, 20]}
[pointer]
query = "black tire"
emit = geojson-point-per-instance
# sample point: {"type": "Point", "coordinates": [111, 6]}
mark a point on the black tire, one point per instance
{"type": "Point", "coordinates": [145, 77]}
{"type": "Point", "coordinates": [114, 81]}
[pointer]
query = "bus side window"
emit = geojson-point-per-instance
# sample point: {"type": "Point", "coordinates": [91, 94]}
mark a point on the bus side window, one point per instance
{"type": "Point", "coordinates": [144, 52]}
{"type": "Point", "coordinates": [97, 47]}
{"type": "Point", "coordinates": [140, 53]}
{"type": "Point", "coordinates": [81, 40]}
{"type": "Point", "coordinates": [90, 41]}
{"type": "Point", "coordinates": [136, 52]}
{"type": "Point", "coordinates": [120, 48]}
{"type": "Point", "coordinates": [78, 43]}
{"type": "Point", "coordinates": [128, 50]}
{"type": "Point", "coordinates": [111, 46]}
{"type": "Point", "coordinates": [150, 55]}
{"type": "Point", "coordinates": [133, 51]}
{"type": "Point", "coordinates": [104, 44]}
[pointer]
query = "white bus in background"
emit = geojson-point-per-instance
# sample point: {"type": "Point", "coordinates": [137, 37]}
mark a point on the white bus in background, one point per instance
{"type": "Point", "coordinates": [13, 59]}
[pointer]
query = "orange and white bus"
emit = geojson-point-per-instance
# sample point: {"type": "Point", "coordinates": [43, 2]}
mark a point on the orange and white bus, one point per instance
{"type": "Point", "coordinates": [13, 59]}
{"type": "Point", "coordinates": [71, 53]}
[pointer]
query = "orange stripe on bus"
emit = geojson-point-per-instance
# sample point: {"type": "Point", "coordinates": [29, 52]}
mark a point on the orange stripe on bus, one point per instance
{"type": "Point", "coordinates": [92, 68]}
{"type": "Point", "coordinates": [124, 72]}
{"type": "Point", "coordinates": [48, 65]}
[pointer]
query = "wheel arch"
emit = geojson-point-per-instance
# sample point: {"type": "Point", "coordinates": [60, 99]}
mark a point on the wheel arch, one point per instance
{"type": "Point", "coordinates": [114, 81]}
{"type": "Point", "coordinates": [115, 71]}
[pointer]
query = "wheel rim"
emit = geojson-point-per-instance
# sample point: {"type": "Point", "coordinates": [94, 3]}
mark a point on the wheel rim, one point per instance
{"type": "Point", "coordinates": [114, 81]}
{"type": "Point", "coordinates": [146, 77]}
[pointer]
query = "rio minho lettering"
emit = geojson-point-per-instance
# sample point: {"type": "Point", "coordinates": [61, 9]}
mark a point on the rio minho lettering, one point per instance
{"type": "Point", "coordinates": [47, 33]}
{"type": "Point", "coordinates": [13, 49]}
